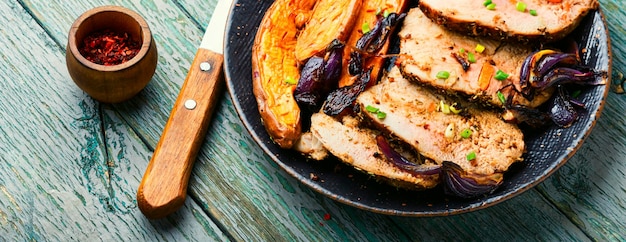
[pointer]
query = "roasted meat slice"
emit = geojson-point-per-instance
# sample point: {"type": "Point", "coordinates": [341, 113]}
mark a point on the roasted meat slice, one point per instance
{"type": "Point", "coordinates": [524, 21]}
{"type": "Point", "coordinates": [478, 68]}
{"type": "Point", "coordinates": [357, 147]}
{"type": "Point", "coordinates": [442, 128]}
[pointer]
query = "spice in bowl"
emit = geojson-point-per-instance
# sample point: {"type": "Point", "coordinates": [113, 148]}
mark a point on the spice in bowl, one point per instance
{"type": "Point", "coordinates": [109, 48]}
{"type": "Point", "coordinates": [111, 54]}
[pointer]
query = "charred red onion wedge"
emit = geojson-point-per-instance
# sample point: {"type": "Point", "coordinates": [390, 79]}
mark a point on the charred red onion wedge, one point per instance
{"type": "Point", "coordinates": [554, 60]}
{"type": "Point", "coordinates": [566, 75]}
{"type": "Point", "coordinates": [307, 92]}
{"type": "Point", "coordinates": [547, 68]}
{"type": "Point", "coordinates": [562, 111]}
{"type": "Point", "coordinates": [373, 40]}
{"type": "Point", "coordinates": [461, 183]}
{"type": "Point", "coordinates": [355, 65]}
{"type": "Point", "coordinates": [333, 65]}
{"type": "Point", "coordinates": [318, 77]}
{"type": "Point", "coordinates": [527, 71]}
{"type": "Point", "coordinates": [402, 162]}
{"type": "Point", "coordinates": [387, 26]}
{"type": "Point", "coordinates": [342, 98]}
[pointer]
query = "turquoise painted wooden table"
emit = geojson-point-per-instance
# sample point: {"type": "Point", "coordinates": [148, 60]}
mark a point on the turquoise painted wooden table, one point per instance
{"type": "Point", "coordinates": [70, 166]}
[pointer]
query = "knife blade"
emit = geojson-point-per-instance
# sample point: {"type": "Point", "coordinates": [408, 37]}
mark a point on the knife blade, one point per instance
{"type": "Point", "coordinates": [163, 188]}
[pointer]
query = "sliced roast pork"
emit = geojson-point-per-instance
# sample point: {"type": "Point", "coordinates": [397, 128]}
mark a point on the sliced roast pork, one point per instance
{"type": "Point", "coordinates": [357, 147]}
{"type": "Point", "coordinates": [475, 139]}
{"type": "Point", "coordinates": [474, 67]}
{"type": "Point", "coordinates": [529, 20]}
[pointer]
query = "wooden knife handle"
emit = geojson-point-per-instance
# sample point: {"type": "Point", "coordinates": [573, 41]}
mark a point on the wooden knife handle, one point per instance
{"type": "Point", "coordinates": [163, 188]}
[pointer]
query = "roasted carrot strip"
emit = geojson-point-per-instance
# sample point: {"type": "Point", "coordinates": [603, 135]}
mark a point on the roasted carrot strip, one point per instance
{"type": "Point", "coordinates": [484, 78]}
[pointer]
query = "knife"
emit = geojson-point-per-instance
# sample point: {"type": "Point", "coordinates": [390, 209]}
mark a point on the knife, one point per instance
{"type": "Point", "coordinates": [163, 188]}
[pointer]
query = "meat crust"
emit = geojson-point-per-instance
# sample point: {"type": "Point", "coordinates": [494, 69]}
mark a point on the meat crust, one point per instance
{"type": "Point", "coordinates": [552, 22]}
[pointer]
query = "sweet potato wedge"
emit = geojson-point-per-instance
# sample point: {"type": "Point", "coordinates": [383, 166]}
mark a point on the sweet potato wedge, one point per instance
{"type": "Point", "coordinates": [331, 19]}
{"type": "Point", "coordinates": [275, 68]}
{"type": "Point", "coordinates": [368, 16]}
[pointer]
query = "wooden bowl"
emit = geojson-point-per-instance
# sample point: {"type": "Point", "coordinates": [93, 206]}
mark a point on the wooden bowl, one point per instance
{"type": "Point", "coordinates": [114, 83]}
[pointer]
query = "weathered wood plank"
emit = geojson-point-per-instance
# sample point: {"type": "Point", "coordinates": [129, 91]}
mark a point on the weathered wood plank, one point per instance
{"type": "Point", "coordinates": [148, 113]}
{"type": "Point", "coordinates": [58, 181]}
{"type": "Point", "coordinates": [615, 14]}
{"type": "Point", "coordinates": [253, 204]}
{"type": "Point", "coordinates": [528, 217]}
{"type": "Point", "coordinates": [537, 214]}
{"type": "Point", "coordinates": [591, 188]}
{"type": "Point", "coordinates": [259, 201]}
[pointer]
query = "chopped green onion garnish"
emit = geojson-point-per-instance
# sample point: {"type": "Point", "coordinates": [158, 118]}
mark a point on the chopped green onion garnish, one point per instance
{"type": "Point", "coordinates": [491, 6]}
{"type": "Point", "coordinates": [486, 2]}
{"type": "Point", "coordinates": [371, 109]}
{"type": "Point", "coordinates": [386, 13]}
{"type": "Point", "coordinates": [462, 51]}
{"type": "Point", "coordinates": [470, 57]}
{"type": "Point", "coordinates": [470, 156]}
{"type": "Point", "coordinates": [455, 110]}
{"type": "Point", "coordinates": [501, 75]}
{"type": "Point", "coordinates": [365, 28]}
{"type": "Point", "coordinates": [532, 12]}
{"type": "Point", "coordinates": [466, 133]}
{"type": "Point", "coordinates": [449, 133]}
{"type": "Point", "coordinates": [479, 48]}
{"type": "Point", "coordinates": [520, 6]}
{"type": "Point", "coordinates": [381, 114]}
{"type": "Point", "coordinates": [501, 97]}
{"type": "Point", "coordinates": [444, 108]}
{"type": "Point", "coordinates": [375, 110]}
{"type": "Point", "coordinates": [378, 10]}
{"type": "Point", "coordinates": [291, 80]}
{"type": "Point", "coordinates": [443, 75]}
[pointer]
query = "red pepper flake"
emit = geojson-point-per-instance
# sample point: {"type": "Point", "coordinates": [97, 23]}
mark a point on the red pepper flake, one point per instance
{"type": "Point", "coordinates": [326, 216]}
{"type": "Point", "coordinates": [109, 48]}
{"type": "Point", "coordinates": [314, 177]}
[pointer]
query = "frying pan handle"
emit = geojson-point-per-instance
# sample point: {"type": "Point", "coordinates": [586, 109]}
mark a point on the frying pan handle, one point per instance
{"type": "Point", "coordinates": [163, 188]}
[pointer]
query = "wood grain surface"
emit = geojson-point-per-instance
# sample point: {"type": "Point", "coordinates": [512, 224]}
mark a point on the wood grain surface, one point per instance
{"type": "Point", "coordinates": [70, 166]}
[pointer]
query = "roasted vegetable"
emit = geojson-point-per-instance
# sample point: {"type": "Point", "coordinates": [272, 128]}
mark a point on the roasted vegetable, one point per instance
{"type": "Point", "coordinates": [403, 163]}
{"type": "Point", "coordinates": [318, 77]}
{"type": "Point", "coordinates": [461, 183]}
{"type": "Point", "coordinates": [562, 111]}
{"type": "Point", "coordinates": [342, 98]}
{"type": "Point", "coordinates": [372, 41]}
{"type": "Point", "coordinates": [545, 69]}
{"type": "Point", "coordinates": [370, 14]}
{"type": "Point", "coordinates": [331, 20]}
{"type": "Point", "coordinates": [311, 84]}
{"type": "Point", "coordinates": [275, 69]}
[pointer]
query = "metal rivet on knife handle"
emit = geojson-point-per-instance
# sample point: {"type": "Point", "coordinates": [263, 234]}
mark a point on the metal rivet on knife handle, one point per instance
{"type": "Point", "coordinates": [205, 66]}
{"type": "Point", "coordinates": [190, 104]}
